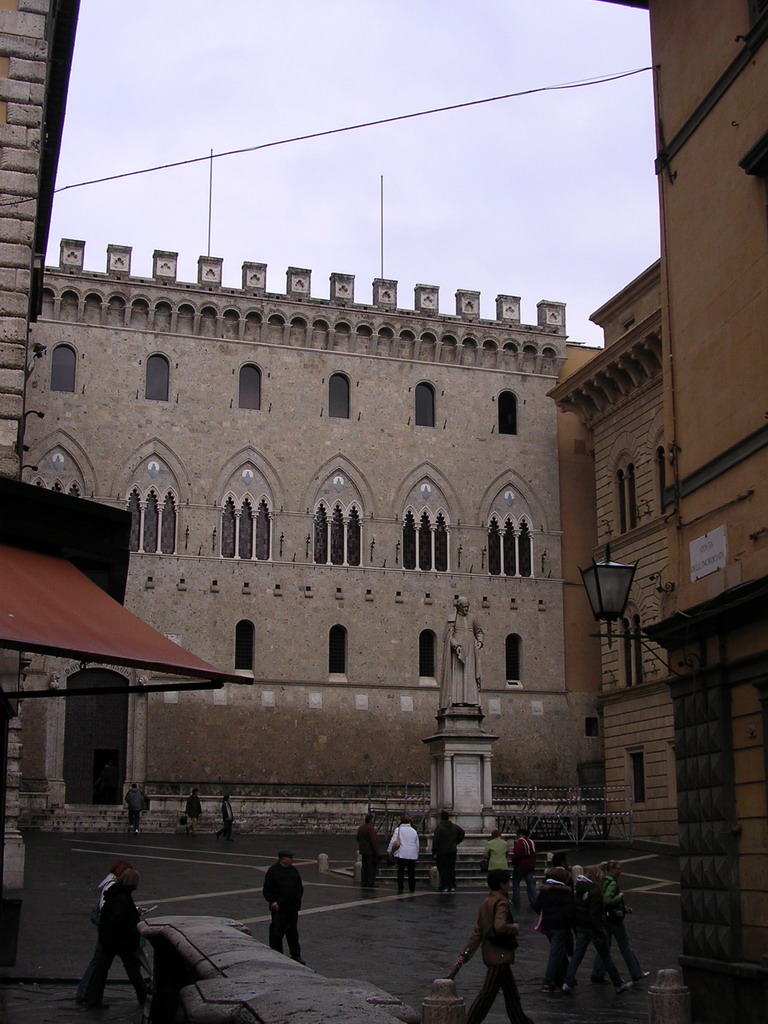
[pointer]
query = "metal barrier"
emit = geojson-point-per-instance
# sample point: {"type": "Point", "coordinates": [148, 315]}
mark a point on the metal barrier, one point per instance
{"type": "Point", "coordinates": [575, 814]}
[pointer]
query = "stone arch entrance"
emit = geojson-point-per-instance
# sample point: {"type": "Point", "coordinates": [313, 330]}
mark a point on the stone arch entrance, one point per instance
{"type": "Point", "coordinates": [95, 738]}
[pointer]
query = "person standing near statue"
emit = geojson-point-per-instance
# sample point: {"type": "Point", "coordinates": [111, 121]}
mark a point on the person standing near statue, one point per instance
{"type": "Point", "coordinates": [445, 841]}
{"type": "Point", "coordinates": [462, 643]}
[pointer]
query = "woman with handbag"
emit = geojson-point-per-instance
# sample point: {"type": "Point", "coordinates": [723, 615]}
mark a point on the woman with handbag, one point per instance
{"type": "Point", "coordinates": [615, 912]}
{"type": "Point", "coordinates": [404, 847]}
{"type": "Point", "coordinates": [496, 934]}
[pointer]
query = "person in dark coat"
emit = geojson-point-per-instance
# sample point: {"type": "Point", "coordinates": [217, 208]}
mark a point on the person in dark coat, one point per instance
{"type": "Point", "coordinates": [193, 809]}
{"type": "Point", "coordinates": [227, 819]}
{"type": "Point", "coordinates": [118, 936]}
{"type": "Point", "coordinates": [368, 845]}
{"type": "Point", "coordinates": [445, 842]}
{"type": "Point", "coordinates": [283, 890]}
{"type": "Point", "coordinates": [588, 923]}
{"type": "Point", "coordinates": [554, 901]}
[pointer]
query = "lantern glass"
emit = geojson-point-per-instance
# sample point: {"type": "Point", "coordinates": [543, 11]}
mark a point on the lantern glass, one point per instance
{"type": "Point", "coordinates": [607, 585]}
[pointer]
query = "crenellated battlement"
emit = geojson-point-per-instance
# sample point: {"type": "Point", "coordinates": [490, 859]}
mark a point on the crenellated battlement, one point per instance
{"type": "Point", "coordinates": [298, 288]}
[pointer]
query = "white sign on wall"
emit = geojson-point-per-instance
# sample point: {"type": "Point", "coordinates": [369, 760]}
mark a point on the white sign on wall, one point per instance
{"type": "Point", "coordinates": [708, 553]}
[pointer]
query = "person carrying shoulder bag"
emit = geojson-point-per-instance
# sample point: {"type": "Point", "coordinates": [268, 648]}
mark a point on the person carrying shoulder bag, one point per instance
{"type": "Point", "coordinates": [496, 935]}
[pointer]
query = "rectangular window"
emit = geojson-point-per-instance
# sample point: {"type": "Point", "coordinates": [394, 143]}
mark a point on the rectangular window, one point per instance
{"type": "Point", "coordinates": [591, 726]}
{"type": "Point", "coordinates": [637, 765]}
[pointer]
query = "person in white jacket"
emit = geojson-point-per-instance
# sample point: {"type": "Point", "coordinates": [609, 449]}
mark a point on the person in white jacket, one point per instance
{"type": "Point", "coordinates": [404, 844]}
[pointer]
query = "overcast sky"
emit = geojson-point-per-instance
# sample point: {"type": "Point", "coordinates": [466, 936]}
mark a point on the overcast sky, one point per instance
{"type": "Point", "coordinates": [548, 196]}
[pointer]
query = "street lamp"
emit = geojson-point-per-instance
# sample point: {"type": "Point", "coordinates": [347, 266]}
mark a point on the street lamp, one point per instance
{"type": "Point", "coordinates": [607, 585]}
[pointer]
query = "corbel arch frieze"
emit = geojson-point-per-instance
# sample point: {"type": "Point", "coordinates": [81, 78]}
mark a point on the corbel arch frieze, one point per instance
{"type": "Point", "coordinates": [265, 467]}
{"type": "Point", "coordinates": [434, 476]}
{"type": "Point", "coordinates": [125, 474]}
{"type": "Point", "coordinates": [340, 465]}
{"type": "Point", "coordinates": [64, 440]}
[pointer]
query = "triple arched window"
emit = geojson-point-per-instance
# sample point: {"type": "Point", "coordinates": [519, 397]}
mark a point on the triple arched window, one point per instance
{"type": "Point", "coordinates": [245, 529]}
{"type": "Point", "coordinates": [337, 539]}
{"type": "Point", "coordinates": [510, 548]}
{"type": "Point", "coordinates": [153, 523]}
{"type": "Point", "coordinates": [425, 542]}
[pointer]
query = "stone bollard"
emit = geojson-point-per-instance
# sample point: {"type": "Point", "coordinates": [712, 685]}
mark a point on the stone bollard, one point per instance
{"type": "Point", "coordinates": [669, 1000]}
{"type": "Point", "coordinates": [323, 866]}
{"type": "Point", "coordinates": [357, 871]}
{"type": "Point", "coordinates": [443, 1005]}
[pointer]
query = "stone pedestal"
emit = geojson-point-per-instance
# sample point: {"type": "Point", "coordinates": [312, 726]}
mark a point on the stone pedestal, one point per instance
{"type": "Point", "coordinates": [460, 776]}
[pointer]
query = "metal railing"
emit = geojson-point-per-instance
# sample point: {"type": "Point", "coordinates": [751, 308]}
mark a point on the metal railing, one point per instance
{"type": "Point", "coordinates": [577, 814]}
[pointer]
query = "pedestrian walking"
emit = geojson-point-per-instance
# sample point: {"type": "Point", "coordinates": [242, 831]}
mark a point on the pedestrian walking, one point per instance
{"type": "Point", "coordinates": [445, 842]}
{"type": "Point", "coordinates": [118, 936]}
{"type": "Point", "coordinates": [496, 935]}
{"type": "Point", "coordinates": [193, 809]}
{"type": "Point", "coordinates": [136, 802]}
{"type": "Point", "coordinates": [615, 912]}
{"type": "Point", "coordinates": [115, 870]}
{"type": "Point", "coordinates": [523, 866]}
{"type": "Point", "coordinates": [283, 890]}
{"type": "Point", "coordinates": [588, 925]}
{"type": "Point", "coordinates": [227, 819]}
{"type": "Point", "coordinates": [368, 845]}
{"type": "Point", "coordinates": [554, 901]}
{"type": "Point", "coordinates": [404, 847]}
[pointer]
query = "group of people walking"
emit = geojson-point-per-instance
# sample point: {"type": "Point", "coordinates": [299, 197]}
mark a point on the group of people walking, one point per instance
{"type": "Point", "coordinates": [576, 909]}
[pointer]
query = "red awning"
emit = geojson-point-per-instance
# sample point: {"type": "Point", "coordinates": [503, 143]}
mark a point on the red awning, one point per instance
{"type": "Point", "coordinates": [48, 605]}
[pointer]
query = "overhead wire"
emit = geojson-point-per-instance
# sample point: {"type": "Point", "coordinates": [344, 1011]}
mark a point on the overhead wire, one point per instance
{"type": "Point", "coordinates": [581, 84]}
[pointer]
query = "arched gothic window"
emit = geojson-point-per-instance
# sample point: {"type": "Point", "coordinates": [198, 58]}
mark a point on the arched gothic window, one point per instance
{"type": "Point", "coordinates": [249, 392]}
{"type": "Point", "coordinates": [244, 637]}
{"type": "Point", "coordinates": [245, 531]}
{"type": "Point", "coordinates": [337, 650]}
{"type": "Point", "coordinates": [63, 363]}
{"type": "Point", "coordinates": [425, 546]}
{"type": "Point", "coordinates": [245, 534]}
{"type": "Point", "coordinates": [509, 550]}
{"type": "Point", "coordinates": [409, 541]}
{"type": "Point", "coordinates": [157, 378]}
{"type": "Point", "coordinates": [507, 404]}
{"type": "Point", "coordinates": [153, 524]}
{"type": "Point", "coordinates": [425, 405]}
{"type": "Point", "coordinates": [338, 396]}
{"type": "Point", "coordinates": [338, 536]}
{"type": "Point", "coordinates": [228, 529]}
{"type": "Point", "coordinates": [263, 531]}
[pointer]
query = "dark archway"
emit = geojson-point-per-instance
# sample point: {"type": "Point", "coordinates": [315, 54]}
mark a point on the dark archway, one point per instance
{"type": "Point", "coordinates": [95, 739]}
